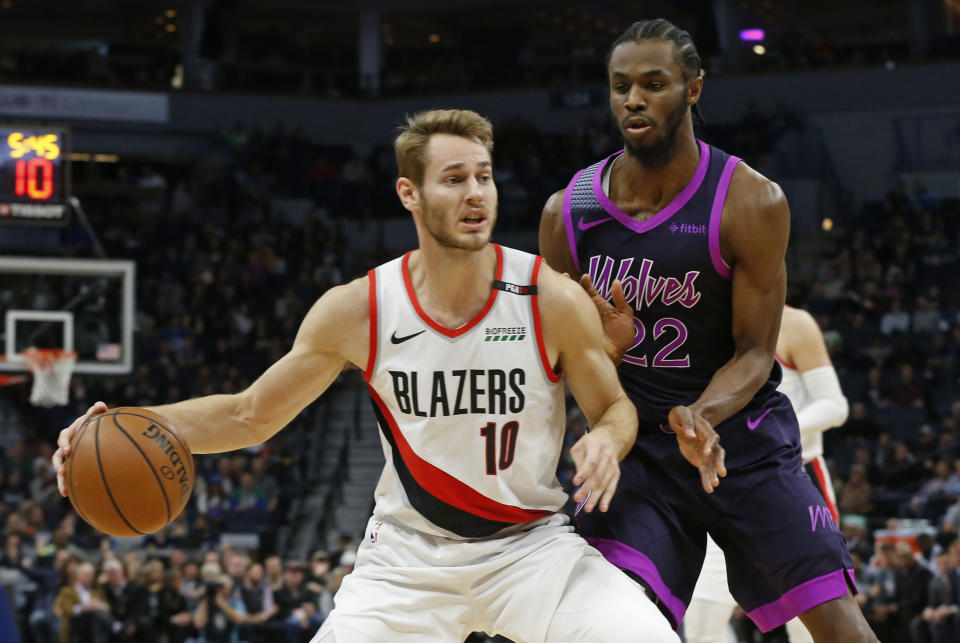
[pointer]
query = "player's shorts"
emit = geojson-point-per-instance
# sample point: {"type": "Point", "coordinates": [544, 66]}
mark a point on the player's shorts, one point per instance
{"type": "Point", "coordinates": [542, 584]}
{"type": "Point", "coordinates": [784, 550]}
{"type": "Point", "coordinates": [820, 476]}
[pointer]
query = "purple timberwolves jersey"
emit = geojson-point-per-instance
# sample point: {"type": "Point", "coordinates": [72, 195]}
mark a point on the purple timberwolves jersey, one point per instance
{"type": "Point", "coordinates": [673, 276]}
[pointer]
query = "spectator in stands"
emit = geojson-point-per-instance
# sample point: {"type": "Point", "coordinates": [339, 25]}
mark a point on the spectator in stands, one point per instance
{"type": "Point", "coordinates": [911, 594]}
{"type": "Point", "coordinates": [191, 586]}
{"type": "Point", "coordinates": [937, 622]}
{"type": "Point", "coordinates": [896, 319]}
{"type": "Point", "coordinates": [319, 571]}
{"type": "Point", "coordinates": [264, 484]}
{"type": "Point", "coordinates": [176, 619]}
{"type": "Point", "coordinates": [856, 494]}
{"type": "Point", "coordinates": [146, 605]}
{"type": "Point", "coordinates": [254, 596]}
{"type": "Point", "coordinates": [119, 594]}
{"type": "Point", "coordinates": [296, 606]}
{"type": "Point", "coordinates": [854, 529]}
{"type": "Point", "coordinates": [218, 616]}
{"type": "Point", "coordinates": [879, 579]}
{"type": "Point", "coordinates": [83, 609]}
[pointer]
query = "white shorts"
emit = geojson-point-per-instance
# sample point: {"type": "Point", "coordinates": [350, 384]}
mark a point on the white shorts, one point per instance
{"type": "Point", "coordinates": [544, 584]}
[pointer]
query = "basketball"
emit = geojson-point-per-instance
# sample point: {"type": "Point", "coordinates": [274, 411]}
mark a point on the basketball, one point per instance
{"type": "Point", "coordinates": [129, 473]}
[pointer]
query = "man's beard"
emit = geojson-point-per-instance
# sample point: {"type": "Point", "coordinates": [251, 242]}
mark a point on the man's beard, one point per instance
{"type": "Point", "coordinates": [433, 224]}
{"type": "Point", "coordinates": [658, 153]}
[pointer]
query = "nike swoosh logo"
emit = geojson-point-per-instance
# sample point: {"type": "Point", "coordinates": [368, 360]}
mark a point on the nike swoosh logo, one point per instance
{"type": "Point", "coordinates": [399, 340]}
{"type": "Point", "coordinates": [753, 424]}
{"type": "Point", "coordinates": [583, 225]}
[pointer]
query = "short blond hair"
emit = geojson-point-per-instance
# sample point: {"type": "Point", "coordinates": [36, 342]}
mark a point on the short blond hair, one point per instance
{"type": "Point", "coordinates": [411, 144]}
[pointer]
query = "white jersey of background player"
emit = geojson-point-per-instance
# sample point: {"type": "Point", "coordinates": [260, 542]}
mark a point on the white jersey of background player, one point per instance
{"type": "Point", "coordinates": [460, 342]}
{"type": "Point", "coordinates": [811, 383]}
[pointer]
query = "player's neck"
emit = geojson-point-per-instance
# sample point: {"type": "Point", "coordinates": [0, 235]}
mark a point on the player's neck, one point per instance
{"type": "Point", "coordinates": [452, 285]}
{"type": "Point", "coordinates": [633, 181]}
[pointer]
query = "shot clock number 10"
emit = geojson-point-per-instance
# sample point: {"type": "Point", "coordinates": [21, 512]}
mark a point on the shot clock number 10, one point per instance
{"type": "Point", "coordinates": [33, 178]}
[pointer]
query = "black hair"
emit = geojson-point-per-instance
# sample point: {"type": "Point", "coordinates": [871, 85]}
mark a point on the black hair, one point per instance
{"type": "Point", "coordinates": [663, 29]}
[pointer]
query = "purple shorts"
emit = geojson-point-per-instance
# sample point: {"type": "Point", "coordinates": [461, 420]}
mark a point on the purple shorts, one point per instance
{"type": "Point", "coordinates": [784, 552]}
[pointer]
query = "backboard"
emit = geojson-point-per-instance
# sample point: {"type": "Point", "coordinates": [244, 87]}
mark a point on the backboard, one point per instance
{"type": "Point", "coordinates": [86, 305]}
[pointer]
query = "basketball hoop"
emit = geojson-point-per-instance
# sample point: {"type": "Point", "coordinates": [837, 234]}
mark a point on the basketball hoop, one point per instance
{"type": "Point", "coordinates": [51, 368]}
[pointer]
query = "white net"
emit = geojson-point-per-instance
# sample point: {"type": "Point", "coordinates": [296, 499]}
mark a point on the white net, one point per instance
{"type": "Point", "coordinates": [51, 370]}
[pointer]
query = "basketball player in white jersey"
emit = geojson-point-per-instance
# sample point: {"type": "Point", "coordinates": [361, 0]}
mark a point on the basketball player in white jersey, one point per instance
{"type": "Point", "coordinates": [811, 383]}
{"type": "Point", "coordinates": [462, 343]}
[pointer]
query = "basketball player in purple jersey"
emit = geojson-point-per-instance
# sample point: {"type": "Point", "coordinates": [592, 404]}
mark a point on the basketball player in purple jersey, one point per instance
{"type": "Point", "coordinates": [694, 240]}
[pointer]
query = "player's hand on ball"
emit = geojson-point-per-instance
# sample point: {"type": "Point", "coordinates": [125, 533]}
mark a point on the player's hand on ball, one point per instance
{"type": "Point", "coordinates": [598, 470]}
{"type": "Point", "coordinates": [63, 444]}
{"type": "Point", "coordinates": [699, 444]}
{"type": "Point", "coordinates": [619, 330]}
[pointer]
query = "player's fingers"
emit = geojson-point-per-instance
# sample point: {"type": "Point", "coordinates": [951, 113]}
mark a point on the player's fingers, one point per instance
{"type": "Point", "coordinates": [585, 468]}
{"type": "Point", "coordinates": [720, 460]}
{"type": "Point", "coordinates": [587, 284]}
{"type": "Point", "coordinates": [619, 300]}
{"type": "Point", "coordinates": [707, 477]}
{"type": "Point", "coordinates": [63, 441]}
{"type": "Point", "coordinates": [609, 489]}
{"type": "Point", "coordinates": [58, 467]}
{"type": "Point", "coordinates": [705, 434]}
{"type": "Point", "coordinates": [681, 421]}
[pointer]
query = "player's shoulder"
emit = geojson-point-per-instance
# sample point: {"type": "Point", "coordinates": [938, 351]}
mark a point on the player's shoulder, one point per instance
{"type": "Point", "coordinates": [752, 194]}
{"type": "Point", "coordinates": [797, 320]}
{"type": "Point", "coordinates": [339, 312]}
{"type": "Point", "coordinates": [559, 295]}
{"type": "Point", "coordinates": [553, 208]}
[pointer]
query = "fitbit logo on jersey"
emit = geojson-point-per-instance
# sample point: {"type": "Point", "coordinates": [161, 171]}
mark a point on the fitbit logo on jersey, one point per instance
{"type": "Point", "coordinates": [444, 393]}
{"type": "Point", "coordinates": [689, 228]}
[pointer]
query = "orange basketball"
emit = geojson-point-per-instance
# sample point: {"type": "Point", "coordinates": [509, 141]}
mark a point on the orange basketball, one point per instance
{"type": "Point", "coordinates": [129, 472]}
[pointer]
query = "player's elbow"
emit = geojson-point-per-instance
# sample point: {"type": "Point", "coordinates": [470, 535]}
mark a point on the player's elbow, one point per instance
{"type": "Point", "coordinates": [842, 408]}
{"type": "Point", "coordinates": [250, 418]}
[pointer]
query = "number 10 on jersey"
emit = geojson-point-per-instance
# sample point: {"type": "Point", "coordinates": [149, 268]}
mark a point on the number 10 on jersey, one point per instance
{"type": "Point", "coordinates": [508, 445]}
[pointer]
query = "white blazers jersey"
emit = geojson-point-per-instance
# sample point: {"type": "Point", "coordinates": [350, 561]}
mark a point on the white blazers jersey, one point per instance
{"type": "Point", "coordinates": [471, 419]}
{"type": "Point", "coordinates": [792, 386]}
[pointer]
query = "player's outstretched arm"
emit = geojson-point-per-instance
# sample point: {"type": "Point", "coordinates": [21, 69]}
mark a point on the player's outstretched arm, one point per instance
{"type": "Point", "coordinates": [804, 347]}
{"type": "Point", "coordinates": [753, 239]}
{"type": "Point", "coordinates": [573, 339]}
{"type": "Point", "coordinates": [337, 323]}
{"type": "Point", "coordinates": [333, 333]}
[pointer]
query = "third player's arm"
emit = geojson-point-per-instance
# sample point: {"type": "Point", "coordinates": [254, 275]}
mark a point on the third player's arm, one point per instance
{"type": "Point", "coordinates": [333, 333]}
{"type": "Point", "coordinates": [753, 238]}
{"type": "Point", "coordinates": [807, 351]}
{"type": "Point", "coordinates": [573, 338]}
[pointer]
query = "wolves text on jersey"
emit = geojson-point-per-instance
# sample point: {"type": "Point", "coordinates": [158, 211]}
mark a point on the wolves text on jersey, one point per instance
{"type": "Point", "coordinates": [459, 392]}
{"type": "Point", "coordinates": [644, 289]}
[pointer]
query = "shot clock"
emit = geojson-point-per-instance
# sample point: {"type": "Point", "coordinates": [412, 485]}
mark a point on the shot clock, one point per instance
{"type": "Point", "coordinates": [34, 174]}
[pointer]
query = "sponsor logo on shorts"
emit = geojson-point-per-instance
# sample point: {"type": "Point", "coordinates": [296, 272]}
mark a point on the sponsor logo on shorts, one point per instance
{"type": "Point", "coordinates": [754, 423]}
{"type": "Point", "coordinates": [821, 517]}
